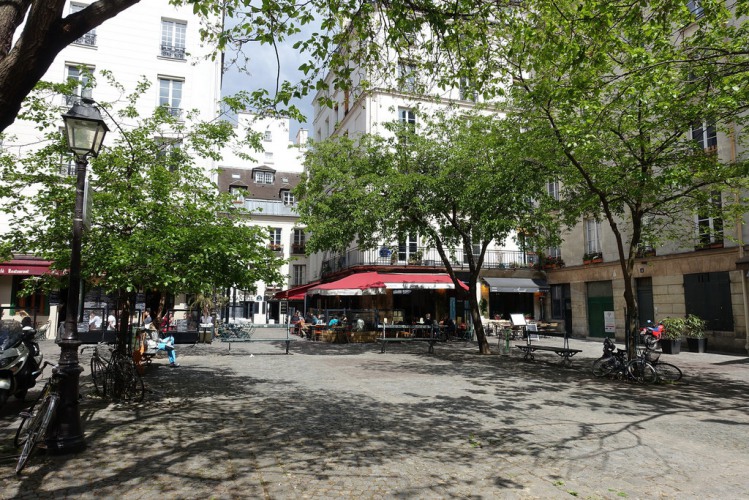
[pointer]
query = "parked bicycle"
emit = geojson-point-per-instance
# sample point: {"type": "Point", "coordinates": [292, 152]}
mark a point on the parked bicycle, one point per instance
{"type": "Point", "coordinates": [36, 419]}
{"type": "Point", "coordinates": [666, 371]}
{"type": "Point", "coordinates": [614, 363]}
{"type": "Point", "coordinates": [115, 377]}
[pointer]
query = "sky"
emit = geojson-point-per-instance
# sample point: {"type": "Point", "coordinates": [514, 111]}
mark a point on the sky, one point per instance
{"type": "Point", "coordinates": [263, 75]}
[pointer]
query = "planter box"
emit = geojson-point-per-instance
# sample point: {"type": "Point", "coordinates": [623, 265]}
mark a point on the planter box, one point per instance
{"type": "Point", "coordinates": [670, 346]}
{"type": "Point", "coordinates": [697, 345]}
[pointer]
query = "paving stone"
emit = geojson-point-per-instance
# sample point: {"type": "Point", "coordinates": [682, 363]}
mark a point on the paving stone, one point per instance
{"type": "Point", "coordinates": [345, 421]}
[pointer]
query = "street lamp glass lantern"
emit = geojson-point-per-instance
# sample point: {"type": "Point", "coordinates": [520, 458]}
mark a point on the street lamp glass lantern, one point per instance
{"type": "Point", "coordinates": [85, 129]}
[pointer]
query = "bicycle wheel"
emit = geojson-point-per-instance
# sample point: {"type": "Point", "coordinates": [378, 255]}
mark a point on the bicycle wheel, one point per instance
{"type": "Point", "coordinates": [667, 372]}
{"type": "Point", "coordinates": [98, 375]}
{"type": "Point", "coordinates": [642, 371]}
{"type": "Point", "coordinates": [603, 366]}
{"type": "Point", "coordinates": [37, 429]}
{"type": "Point", "coordinates": [135, 388]}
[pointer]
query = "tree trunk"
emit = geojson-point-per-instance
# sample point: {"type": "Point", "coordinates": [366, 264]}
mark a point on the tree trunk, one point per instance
{"type": "Point", "coordinates": [47, 31]}
{"type": "Point", "coordinates": [478, 326]}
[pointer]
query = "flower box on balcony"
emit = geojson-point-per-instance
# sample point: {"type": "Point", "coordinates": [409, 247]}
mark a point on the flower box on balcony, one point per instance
{"type": "Point", "coordinates": [592, 258]}
{"type": "Point", "coordinates": [275, 247]}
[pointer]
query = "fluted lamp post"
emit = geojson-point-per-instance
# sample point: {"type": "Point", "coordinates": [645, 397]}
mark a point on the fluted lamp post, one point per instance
{"type": "Point", "coordinates": [85, 130]}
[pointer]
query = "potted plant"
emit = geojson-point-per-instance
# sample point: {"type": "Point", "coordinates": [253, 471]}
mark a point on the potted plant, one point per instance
{"type": "Point", "coordinates": [695, 332]}
{"type": "Point", "coordinates": [674, 330]}
{"type": "Point", "coordinates": [592, 258]}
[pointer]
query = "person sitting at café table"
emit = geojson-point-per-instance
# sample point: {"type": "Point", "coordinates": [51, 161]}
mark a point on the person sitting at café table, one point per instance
{"type": "Point", "coordinates": [333, 321]}
{"type": "Point", "coordinates": [300, 327]}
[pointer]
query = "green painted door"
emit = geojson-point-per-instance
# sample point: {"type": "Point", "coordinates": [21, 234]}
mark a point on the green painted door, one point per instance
{"type": "Point", "coordinates": [600, 299]}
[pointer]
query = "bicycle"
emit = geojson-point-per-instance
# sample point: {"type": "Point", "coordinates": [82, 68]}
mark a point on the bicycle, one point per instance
{"type": "Point", "coordinates": [98, 367]}
{"type": "Point", "coordinates": [614, 363]}
{"type": "Point", "coordinates": [116, 377]}
{"type": "Point", "coordinates": [666, 372]}
{"type": "Point", "coordinates": [36, 419]}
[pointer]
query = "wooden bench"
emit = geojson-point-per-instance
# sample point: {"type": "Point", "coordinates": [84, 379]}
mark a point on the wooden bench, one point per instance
{"type": "Point", "coordinates": [564, 352]}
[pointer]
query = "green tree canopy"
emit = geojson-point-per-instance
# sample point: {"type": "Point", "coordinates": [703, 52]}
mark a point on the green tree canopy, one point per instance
{"type": "Point", "coordinates": [156, 220]}
{"type": "Point", "coordinates": [460, 183]}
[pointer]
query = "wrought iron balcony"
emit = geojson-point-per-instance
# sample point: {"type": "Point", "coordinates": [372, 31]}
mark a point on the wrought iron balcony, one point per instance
{"type": "Point", "coordinates": [175, 112]}
{"type": "Point", "coordinates": [87, 39]}
{"type": "Point", "coordinates": [172, 52]}
{"type": "Point", "coordinates": [425, 257]}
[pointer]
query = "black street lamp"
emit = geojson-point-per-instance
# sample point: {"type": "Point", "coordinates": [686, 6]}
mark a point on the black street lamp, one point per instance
{"type": "Point", "coordinates": [85, 130]}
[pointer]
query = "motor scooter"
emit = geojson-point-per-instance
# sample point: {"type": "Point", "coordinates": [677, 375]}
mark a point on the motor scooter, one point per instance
{"type": "Point", "coordinates": [650, 334]}
{"type": "Point", "coordinates": [20, 360]}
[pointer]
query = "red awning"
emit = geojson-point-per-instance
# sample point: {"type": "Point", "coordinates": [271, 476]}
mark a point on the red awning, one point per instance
{"type": "Point", "coordinates": [372, 283]}
{"type": "Point", "coordinates": [416, 281]}
{"type": "Point", "coordinates": [296, 293]}
{"type": "Point", "coordinates": [355, 284]}
{"type": "Point", "coordinates": [24, 267]}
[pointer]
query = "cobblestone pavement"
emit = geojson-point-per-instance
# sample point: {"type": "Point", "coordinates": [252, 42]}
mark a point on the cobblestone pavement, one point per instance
{"type": "Point", "coordinates": [345, 421]}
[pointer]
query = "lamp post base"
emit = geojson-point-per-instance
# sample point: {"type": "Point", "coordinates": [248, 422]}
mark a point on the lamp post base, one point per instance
{"type": "Point", "coordinates": [66, 434]}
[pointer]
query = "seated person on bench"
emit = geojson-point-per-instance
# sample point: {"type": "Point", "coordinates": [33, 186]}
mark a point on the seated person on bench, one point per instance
{"type": "Point", "coordinates": [163, 344]}
{"type": "Point", "coordinates": [167, 344]}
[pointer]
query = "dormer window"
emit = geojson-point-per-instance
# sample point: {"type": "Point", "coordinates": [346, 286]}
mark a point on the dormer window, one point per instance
{"type": "Point", "coordinates": [287, 197]}
{"type": "Point", "coordinates": [262, 177]}
{"type": "Point", "coordinates": [239, 193]}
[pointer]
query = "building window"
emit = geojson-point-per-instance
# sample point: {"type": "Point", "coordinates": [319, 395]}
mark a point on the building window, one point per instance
{"type": "Point", "coordinates": [268, 157]}
{"type": "Point", "coordinates": [407, 76]}
{"type": "Point", "coordinates": [287, 197]}
{"type": "Point", "coordinates": [552, 189]}
{"type": "Point", "coordinates": [35, 303]}
{"type": "Point", "coordinates": [262, 177]}
{"type": "Point", "coordinates": [268, 137]}
{"type": "Point", "coordinates": [467, 91]}
{"type": "Point", "coordinates": [275, 238]}
{"type": "Point", "coordinates": [408, 247]}
{"type": "Point", "coordinates": [710, 223]}
{"type": "Point", "coordinates": [695, 7]}
{"type": "Point", "coordinates": [298, 275]}
{"type": "Point", "coordinates": [173, 39]}
{"type": "Point", "coordinates": [239, 193]}
{"type": "Point", "coordinates": [170, 96]}
{"type": "Point", "coordinates": [299, 241]}
{"type": "Point", "coordinates": [81, 75]}
{"type": "Point", "coordinates": [89, 39]}
{"type": "Point", "coordinates": [407, 117]}
{"type": "Point", "coordinates": [705, 134]}
{"type": "Point", "coordinates": [592, 236]}
{"type": "Point", "coordinates": [554, 252]}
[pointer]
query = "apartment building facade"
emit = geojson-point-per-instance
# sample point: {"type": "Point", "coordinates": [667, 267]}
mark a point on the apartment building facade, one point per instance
{"type": "Point", "coordinates": [152, 40]}
{"type": "Point", "coordinates": [262, 185]}
{"type": "Point", "coordinates": [509, 282]}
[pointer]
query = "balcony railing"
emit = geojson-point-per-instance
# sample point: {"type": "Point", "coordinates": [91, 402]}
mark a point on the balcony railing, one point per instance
{"type": "Point", "coordinates": [297, 248]}
{"type": "Point", "coordinates": [268, 207]}
{"type": "Point", "coordinates": [175, 112]}
{"type": "Point", "coordinates": [172, 52]}
{"type": "Point", "coordinates": [87, 39]}
{"type": "Point", "coordinates": [425, 257]}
